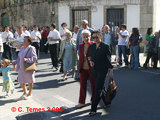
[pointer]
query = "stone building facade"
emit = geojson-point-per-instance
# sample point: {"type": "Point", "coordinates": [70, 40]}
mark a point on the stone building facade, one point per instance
{"type": "Point", "coordinates": [133, 13]}
{"type": "Point", "coordinates": [28, 12]}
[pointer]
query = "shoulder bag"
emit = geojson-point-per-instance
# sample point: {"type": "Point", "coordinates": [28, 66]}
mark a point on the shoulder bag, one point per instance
{"type": "Point", "coordinates": [28, 67]}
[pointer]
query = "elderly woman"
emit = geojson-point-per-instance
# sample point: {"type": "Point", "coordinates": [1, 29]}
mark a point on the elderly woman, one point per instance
{"type": "Point", "coordinates": [99, 58]}
{"type": "Point", "coordinates": [84, 68]}
{"type": "Point", "coordinates": [68, 54]}
{"type": "Point", "coordinates": [27, 54]}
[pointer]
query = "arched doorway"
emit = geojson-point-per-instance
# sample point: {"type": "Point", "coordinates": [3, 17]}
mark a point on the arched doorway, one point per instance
{"type": "Point", "coordinates": [5, 19]}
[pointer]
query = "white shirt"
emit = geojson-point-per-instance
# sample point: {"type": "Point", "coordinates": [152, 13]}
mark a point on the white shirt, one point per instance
{"type": "Point", "coordinates": [20, 38]}
{"type": "Point", "coordinates": [15, 34]}
{"type": "Point", "coordinates": [27, 33]}
{"type": "Point", "coordinates": [62, 32]}
{"type": "Point", "coordinates": [1, 33]}
{"type": "Point", "coordinates": [5, 35]}
{"type": "Point", "coordinates": [54, 35]}
{"type": "Point", "coordinates": [34, 34]}
{"type": "Point", "coordinates": [1, 44]}
{"type": "Point", "coordinates": [123, 41]}
{"type": "Point", "coordinates": [75, 36]}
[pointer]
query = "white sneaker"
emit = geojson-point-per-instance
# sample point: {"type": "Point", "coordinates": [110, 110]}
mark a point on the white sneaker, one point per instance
{"type": "Point", "coordinates": [23, 96]}
{"type": "Point", "coordinates": [79, 106]}
{"type": "Point", "coordinates": [28, 97]}
{"type": "Point", "coordinates": [7, 95]}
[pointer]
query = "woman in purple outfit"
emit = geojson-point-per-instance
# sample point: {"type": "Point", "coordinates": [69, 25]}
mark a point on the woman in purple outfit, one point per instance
{"type": "Point", "coordinates": [27, 54]}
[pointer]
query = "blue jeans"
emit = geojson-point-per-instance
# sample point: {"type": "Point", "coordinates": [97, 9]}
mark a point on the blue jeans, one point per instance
{"type": "Point", "coordinates": [122, 50]}
{"type": "Point", "coordinates": [134, 50]}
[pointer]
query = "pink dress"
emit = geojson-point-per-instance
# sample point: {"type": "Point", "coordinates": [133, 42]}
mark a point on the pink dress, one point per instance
{"type": "Point", "coordinates": [26, 77]}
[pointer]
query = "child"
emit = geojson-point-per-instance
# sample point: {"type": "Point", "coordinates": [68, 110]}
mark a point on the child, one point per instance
{"type": "Point", "coordinates": [7, 82]}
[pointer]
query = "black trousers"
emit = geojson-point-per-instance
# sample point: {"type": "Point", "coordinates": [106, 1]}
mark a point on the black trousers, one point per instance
{"type": "Point", "coordinates": [99, 78]}
{"type": "Point", "coordinates": [37, 46]}
{"type": "Point", "coordinates": [43, 48]}
{"type": "Point", "coordinates": [155, 59]}
{"type": "Point", "coordinates": [8, 50]}
{"type": "Point", "coordinates": [54, 54]}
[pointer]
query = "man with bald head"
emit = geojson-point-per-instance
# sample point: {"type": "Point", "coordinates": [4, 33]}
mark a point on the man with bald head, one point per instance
{"type": "Point", "coordinates": [84, 25]}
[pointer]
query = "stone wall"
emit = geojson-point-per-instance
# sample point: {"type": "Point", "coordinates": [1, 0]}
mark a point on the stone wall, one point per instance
{"type": "Point", "coordinates": [146, 18]}
{"type": "Point", "coordinates": [146, 15]}
{"type": "Point", "coordinates": [43, 12]}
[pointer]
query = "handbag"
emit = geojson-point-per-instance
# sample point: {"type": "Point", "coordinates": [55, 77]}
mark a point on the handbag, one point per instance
{"type": "Point", "coordinates": [28, 67]}
{"type": "Point", "coordinates": [109, 94]}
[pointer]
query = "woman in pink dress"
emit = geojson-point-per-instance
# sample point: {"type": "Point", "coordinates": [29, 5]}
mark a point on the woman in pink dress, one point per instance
{"type": "Point", "coordinates": [28, 54]}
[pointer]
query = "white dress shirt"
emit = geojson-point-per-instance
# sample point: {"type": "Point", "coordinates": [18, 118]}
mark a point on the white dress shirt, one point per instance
{"type": "Point", "coordinates": [54, 35]}
{"type": "Point", "coordinates": [34, 36]}
{"type": "Point", "coordinates": [75, 36]}
{"type": "Point", "coordinates": [27, 33]}
{"type": "Point", "coordinates": [1, 44]}
{"type": "Point", "coordinates": [62, 32]}
{"type": "Point", "coordinates": [123, 41]}
{"type": "Point", "coordinates": [20, 38]}
{"type": "Point", "coordinates": [5, 35]}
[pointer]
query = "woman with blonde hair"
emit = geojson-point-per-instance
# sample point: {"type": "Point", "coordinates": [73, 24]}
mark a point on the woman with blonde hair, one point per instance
{"type": "Point", "coordinates": [85, 68]}
{"type": "Point", "coordinates": [68, 54]}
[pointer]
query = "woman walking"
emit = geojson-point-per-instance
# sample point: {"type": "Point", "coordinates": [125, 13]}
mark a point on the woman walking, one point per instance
{"type": "Point", "coordinates": [100, 62]}
{"type": "Point", "coordinates": [85, 68]}
{"type": "Point", "coordinates": [68, 54]}
{"type": "Point", "coordinates": [26, 54]}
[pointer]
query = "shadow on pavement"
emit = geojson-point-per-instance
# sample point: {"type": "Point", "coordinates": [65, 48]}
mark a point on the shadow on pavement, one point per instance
{"type": "Point", "coordinates": [51, 84]}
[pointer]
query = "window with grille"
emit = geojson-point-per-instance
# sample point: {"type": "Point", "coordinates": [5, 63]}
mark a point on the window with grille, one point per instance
{"type": "Point", "coordinates": [115, 17]}
{"type": "Point", "coordinates": [78, 15]}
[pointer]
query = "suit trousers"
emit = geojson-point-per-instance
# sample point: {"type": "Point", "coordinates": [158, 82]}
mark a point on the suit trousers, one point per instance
{"type": "Point", "coordinates": [99, 78]}
{"type": "Point", "coordinates": [155, 59]}
{"type": "Point", "coordinates": [8, 50]}
{"type": "Point", "coordinates": [53, 48]}
{"type": "Point", "coordinates": [37, 46]}
{"type": "Point", "coordinates": [85, 75]}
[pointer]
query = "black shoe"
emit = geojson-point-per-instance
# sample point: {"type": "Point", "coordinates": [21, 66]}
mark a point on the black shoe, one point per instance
{"type": "Point", "coordinates": [56, 68]}
{"type": "Point", "coordinates": [92, 114]}
{"type": "Point", "coordinates": [16, 81]}
{"type": "Point", "coordinates": [144, 66]}
{"type": "Point", "coordinates": [77, 78]}
{"type": "Point", "coordinates": [155, 67]}
{"type": "Point", "coordinates": [61, 70]}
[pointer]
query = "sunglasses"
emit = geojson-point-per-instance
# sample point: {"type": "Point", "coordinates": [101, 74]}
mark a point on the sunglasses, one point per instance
{"type": "Point", "coordinates": [96, 37]}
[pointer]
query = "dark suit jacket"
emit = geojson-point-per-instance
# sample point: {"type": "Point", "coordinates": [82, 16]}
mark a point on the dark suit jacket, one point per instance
{"type": "Point", "coordinates": [81, 56]}
{"type": "Point", "coordinates": [101, 57]}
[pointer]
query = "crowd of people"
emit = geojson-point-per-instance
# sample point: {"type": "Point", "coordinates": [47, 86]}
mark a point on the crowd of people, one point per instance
{"type": "Point", "coordinates": [85, 51]}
